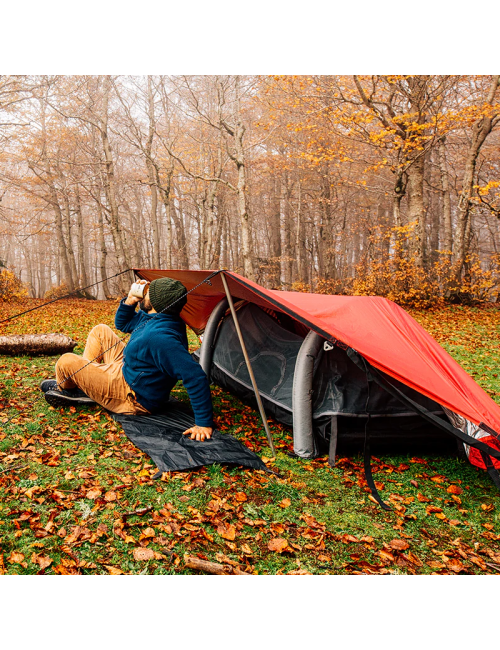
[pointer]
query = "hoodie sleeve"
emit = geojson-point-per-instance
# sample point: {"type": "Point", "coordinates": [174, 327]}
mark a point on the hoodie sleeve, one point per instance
{"type": "Point", "coordinates": [178, 363]}
{"type": "Point", "coordinates": [126, 318]}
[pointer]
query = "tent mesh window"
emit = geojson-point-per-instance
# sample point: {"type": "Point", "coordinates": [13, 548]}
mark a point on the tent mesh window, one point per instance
{"type": "Point", "coordinates": [340, 388]}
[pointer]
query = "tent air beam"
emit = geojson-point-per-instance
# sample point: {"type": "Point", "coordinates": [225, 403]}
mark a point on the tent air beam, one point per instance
{"type": "Point", "coordinates": [209, 335]}
{"type": "Point", "coordinates": [302, 396]}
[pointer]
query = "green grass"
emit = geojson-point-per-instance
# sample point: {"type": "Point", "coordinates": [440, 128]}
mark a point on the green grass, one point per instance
{"type": "Point", "coordinates": [70, 484]}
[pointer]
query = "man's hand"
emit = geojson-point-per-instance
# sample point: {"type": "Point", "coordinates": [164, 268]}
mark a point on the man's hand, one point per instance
{"type": "Point", "coordinates": [131, 299]}
{"type": "Point", "coordinates": [199, 433]}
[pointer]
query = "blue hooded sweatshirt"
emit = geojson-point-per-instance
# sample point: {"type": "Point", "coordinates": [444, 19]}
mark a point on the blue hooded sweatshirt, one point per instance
{"type": "Point", "coordinates": [157, 357]}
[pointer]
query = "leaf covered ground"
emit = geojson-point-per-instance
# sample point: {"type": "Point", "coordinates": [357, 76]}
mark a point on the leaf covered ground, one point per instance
{"type": "Point", "coordinates": [76, 497]}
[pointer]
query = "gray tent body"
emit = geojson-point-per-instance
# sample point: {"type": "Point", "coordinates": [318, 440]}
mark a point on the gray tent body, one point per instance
{"type": "Point", "coordinates": [306, 383]}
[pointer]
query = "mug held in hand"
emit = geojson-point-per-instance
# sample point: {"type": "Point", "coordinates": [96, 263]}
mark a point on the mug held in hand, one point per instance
{"type": "Point", "coordinates": [138, 289]}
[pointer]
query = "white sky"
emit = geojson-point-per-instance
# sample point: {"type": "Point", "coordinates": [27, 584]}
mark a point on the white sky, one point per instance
{"type": "Point", "coordinates": [258, 37]}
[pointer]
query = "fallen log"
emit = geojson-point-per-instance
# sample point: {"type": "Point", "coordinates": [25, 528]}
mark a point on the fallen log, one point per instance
{"type": "Point", "coordinates": [35, 345]}
{"type": "Point", "coordinates": [214, 568]}
{"type": "Point", "coordinates": [206, 567]}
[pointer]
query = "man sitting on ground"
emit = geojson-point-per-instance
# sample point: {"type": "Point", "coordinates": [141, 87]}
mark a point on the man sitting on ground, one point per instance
{"type": "Point", "coordinates": [137, 378]}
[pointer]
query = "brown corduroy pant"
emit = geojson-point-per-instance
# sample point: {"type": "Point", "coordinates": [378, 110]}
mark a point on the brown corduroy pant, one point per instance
{"type": "Point", "coordinates": [102, 380]}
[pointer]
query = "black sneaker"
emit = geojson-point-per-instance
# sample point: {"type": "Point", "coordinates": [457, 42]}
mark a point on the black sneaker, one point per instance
{"type": "Point", "coordinates": [51, 384]}
{"type": "Point", "coordinates": [74, 397]}
{"type": "Point", "coordinates": [48, 384]}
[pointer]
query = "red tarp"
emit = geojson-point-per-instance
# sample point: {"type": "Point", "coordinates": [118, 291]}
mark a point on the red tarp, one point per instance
{"type": "Point", "coordinates": [387, 336]}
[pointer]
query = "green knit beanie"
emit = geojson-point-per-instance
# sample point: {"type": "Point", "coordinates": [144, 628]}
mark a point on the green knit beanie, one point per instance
{"type": "Point", "coordinates": [164, 292]}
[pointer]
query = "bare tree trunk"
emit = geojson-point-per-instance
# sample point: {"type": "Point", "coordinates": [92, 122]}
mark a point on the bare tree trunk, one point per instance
{"type": "Point", "coordinates": [416, 210]}
{"type": "Point", "coordinates": [480, 131]}
{"type": "Point", "coordinates": [246, 239]}
{"type": "Point", "coordinates": [63, 251]}
{"type": "Point", "coordinates": [152, 178]}
{"type": "Point", "coordinates": [215, 260]}
{"type": "Point", "coordinates": [432, 209]}
{"type": "Point", "coordinates": [355, 250]}
{"type": "Point", "coordinates": [213, 227]}
{"type": "Point", "coordinates": [110, 191]}
{"type": "Point", "coordinates": [399, 193]}
{"type": "Point", "coordinates": [69, 239]}
{"type": "Point", "coordinates": [396, 211]}
{"type": "Point", "coordinates": [140, 226]}
{"type": "Point", "coordinates": [288, 231]}
{"type": "Point", "coordinates": [226, 261]}
{"type": "Point", "coordinates": [433, 221]}
{"type": "Point", "coordinates": [234, 245]}
{"type": "Point", "coordinates": [165, 191]}
{"type": "Point", "coordinates": [237, 155]}
{"type": "Point", "coordinates": [58, 263]}
{"type": "Point", "coordinates": [445, 189]}
{"type": "Point", "coordinates": [103, 252]}
{"type": "Point", "coordinates": [29, 271]}
{"type": "Point", "coordinates": [42, 271]}
{"type": "Point", "coordinates": [326, 239]}
{"type": "Point", "coordinates": [275, 234]}
{"type": "Point", "coordinates": [63, 267]}
{"type": "Point", "coordinates": [136, 226]}
{"type": "Point", "coordinates": [299, 236]}
{"type": "Point", "coordinates": [82, 271]}
{"type": "Point", "coordinates": [181, 237]}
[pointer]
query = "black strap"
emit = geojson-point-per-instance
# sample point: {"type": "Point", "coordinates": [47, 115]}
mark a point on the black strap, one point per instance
{"type": "Point", "coordinates": [492, 471]}
{"type": "Point", "coordinates": [334, 432]}
{"type": "Point", "coordinates": [367, 459]}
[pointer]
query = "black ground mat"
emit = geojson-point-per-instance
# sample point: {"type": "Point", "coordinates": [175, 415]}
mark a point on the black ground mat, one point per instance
{"type": "Point", "coordinates": [160, 437]}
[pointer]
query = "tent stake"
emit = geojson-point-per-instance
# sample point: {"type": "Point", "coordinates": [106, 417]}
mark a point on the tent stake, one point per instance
{"type": "Point", "coordinates": [249, 365]}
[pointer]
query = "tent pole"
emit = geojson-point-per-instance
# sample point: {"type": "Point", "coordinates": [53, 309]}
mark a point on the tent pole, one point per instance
{"type": "Point", "coordinates": [249, 365]}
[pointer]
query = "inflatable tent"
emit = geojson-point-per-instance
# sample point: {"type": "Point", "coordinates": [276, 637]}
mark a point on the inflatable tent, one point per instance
{"type": "Point", "coordinates": [322, 362]}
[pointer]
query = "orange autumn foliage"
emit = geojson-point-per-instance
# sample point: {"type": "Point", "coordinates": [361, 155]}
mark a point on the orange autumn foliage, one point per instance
{"type": "Point", "coordinates": [11, 287]}
{"type": "Point", "coordinates": [399, 278]}
{"type": "Point", "coordinates": [56, 292]}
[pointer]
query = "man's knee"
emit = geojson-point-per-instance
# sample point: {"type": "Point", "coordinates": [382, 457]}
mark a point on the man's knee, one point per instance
{"type": "Point", "coordinates": [67, 360]}
{"type": "Point", "coordinates": [101, 329]}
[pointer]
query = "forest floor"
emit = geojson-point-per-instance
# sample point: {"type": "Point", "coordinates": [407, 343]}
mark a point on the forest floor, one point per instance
{"type": "Point", "coordinates": [76, 497]}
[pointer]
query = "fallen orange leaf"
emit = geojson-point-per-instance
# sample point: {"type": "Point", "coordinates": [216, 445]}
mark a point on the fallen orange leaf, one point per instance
{"type": "Point", "coordinates": [399, 544]}
{"type": "Point", "coordinates": [113, 571]}
{"type": "Point", "coordinates": [456, 566]}
{"type": "Point", "coordinates": [43, 561]}
{"type": "Point", "coordinates": [385, 555]}
{"type": "Point", "coordinates": [278, 544]}
{"type": "Point", "coordinates": [227, 532]}
{"type": "Point", "coordinates": [435, 565]}
{"type": "Point", "coordinates": [143, 554]}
